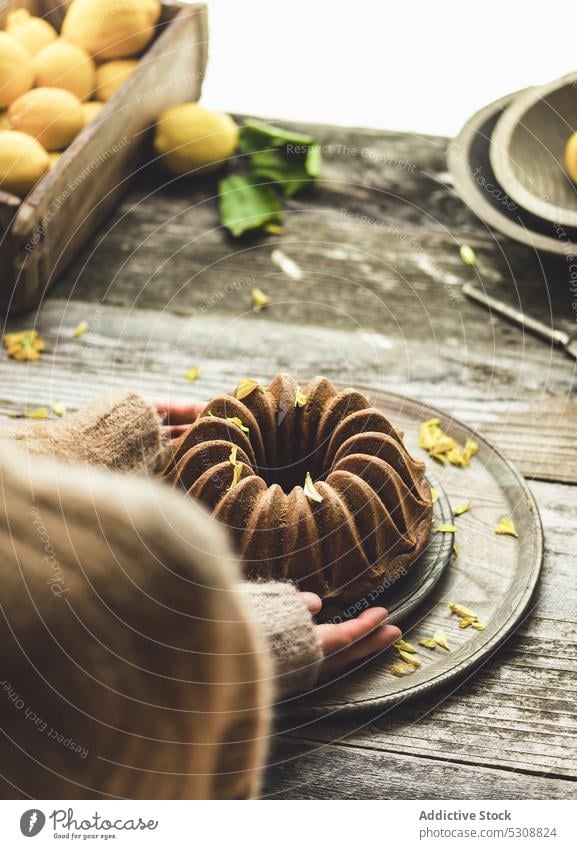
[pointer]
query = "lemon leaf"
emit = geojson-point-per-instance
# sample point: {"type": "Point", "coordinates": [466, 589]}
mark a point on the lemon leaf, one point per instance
{"type": "Point", "coordinates": [245, 206]}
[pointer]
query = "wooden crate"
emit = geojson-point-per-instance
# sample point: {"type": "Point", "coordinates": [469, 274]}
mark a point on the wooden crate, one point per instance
{"type": "Point", "coordinates": [42, 233]}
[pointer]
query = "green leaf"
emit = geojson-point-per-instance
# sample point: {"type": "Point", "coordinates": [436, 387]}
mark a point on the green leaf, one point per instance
{"type": "Point", "coordinates": [288, 171]}
{"type": "Point", "coordinates": [245, 206]}
{"type": "Point", "coordinates": [256, 136]}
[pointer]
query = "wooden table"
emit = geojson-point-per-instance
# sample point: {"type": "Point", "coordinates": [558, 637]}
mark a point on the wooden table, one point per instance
{"type": "Point", "coordinates": [365, 285]}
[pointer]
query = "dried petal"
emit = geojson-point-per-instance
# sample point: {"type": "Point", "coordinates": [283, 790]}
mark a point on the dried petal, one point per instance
{"type": "Point", "coordinates": [441, 640]}
{"type": "Point", "coordinates": [505, 527]}
{"type": "Point", "coordinates": [192, 374]}
{"type": "Point", "coordinates": [462, 508]}
{"type": "Point", "coordinates": [428, 643]}
{"type": "Point", "coordinates": [445, 529]}
{"type": "Point", "coordinates": [456, 550]}
{"type": "Point", "coordinates": [237, 472]}
{"type": "Point", "coordinates": [429, 434]}
{"type": "Point", "coordinates": [402, 645]}
{"type": "Point", "coordinates": [409, 658]}
{"type": "Point", "coordinates": [238, 423]}
{"type": "Point", "coordinates": [478, 626]}
{"type": "Point", "coordinates": [40, 413]}
{"type": "Point", "coordinates": [59, 408]}
{"type": "Point", "coordinates": [259, 299]}
{"type": "Point", "coordinates": [81, 328]}
{"type": "Point", "coordinates": [466, 621]}
{"type": "Point", "coordinates": [232, 455]}
{"type": "Point", "coordinates": [434, 495]}
{"type": "Point", "coordinates": [401, 669]}
{"type": "Point", "coordinates": [309, 489]}
{"type": "Point", "coordinates": [462, 611]}
{"type": "Point", "coordinates": [25, 345]}
{"type": "Point", "coordinates": [471, 448]}
{"type": "Point", "coordinates": [274, 229]}
{"type": "Point", "coordinates": [300, 399]}
{"type": "Point", "coordinates": [245, 387]}
{"type": "Point", "coordinates": [468, 255]}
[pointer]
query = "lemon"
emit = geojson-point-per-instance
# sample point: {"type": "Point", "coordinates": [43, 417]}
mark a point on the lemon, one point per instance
{"type": "Point", "coordinates": [65, 65]}
{"type": "Point", "coordinates": [32, 33]}
{"type": "Point", "coordinates": [111, 29]}
{"type": "Point", "coordinates": [190, 138]}
{"type": "Point", "coordinates": [111, 75]}
{"type": "Point", "coordinates": [91, 110]}
{"type": "Point", "coordinates": [16, 71]}
{"type": "Point", "coordinates": [52, 115]}
{"type": "Point", "coordinates": [23, 161]}
{"type": "Point", "coordinates": [571, 157]}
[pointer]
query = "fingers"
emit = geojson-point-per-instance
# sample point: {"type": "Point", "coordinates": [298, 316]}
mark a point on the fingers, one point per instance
{"type": "Point", "coordinates": [379, 640]}
{"type": "Point", "coordinates": [179, 414]}
{"type": "Point", "coordinates": [312, 601]}
{"type": "Point", "coordinates": [339, 637]}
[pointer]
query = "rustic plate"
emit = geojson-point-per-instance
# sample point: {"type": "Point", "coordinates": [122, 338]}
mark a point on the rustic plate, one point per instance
{"type": "Point", "coordinates": [409, 591]}
{"type": "Point", "coordinates": [494, 575]}
{"type": "Point", "coordinates": [476, 183]}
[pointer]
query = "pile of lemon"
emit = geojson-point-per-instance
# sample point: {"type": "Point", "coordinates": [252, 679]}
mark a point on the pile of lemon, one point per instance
{"type": "Point", "coordinates": [52, 84]}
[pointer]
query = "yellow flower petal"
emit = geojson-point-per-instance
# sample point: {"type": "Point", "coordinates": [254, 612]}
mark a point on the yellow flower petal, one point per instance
{"type": "Point", "coordinates": [59, 408]}
{"type": "Point", "coordinates": [400, 669]}
{"type": "Point", "coordinates": [446, 529]}
{"type": "Point", "coordinates": [441, 640]}
{"type": "Point", "coordinates": [300, 399]}
{"type": "Point", "coordinates": [309, 489]}
{"type": "Point", "coordinates": [471, 448]}
{"type": "Point", "coordinates": [402, 645]}
{"type": "Point", "coordinates": [245, 387]}
{"type": "Point", "coordinates": [24, 345]}
{"type": "Point", "coordinates": [428, 643]}
{"type": "Point", "coordinates": [505, 527]}
{"type": "Point", "coordinates": [232, 455]}
{"type": "Point", "coordinates": [234, 420]}
{"type": "Point", "coordinates": [40, 413]}
{"type": "Point", "coordinates": [259, 300]}
{"type": "Point", "coordinates": [409, 658]}
{"type": "Point", "coordinates": [455, 550]}
{"type": "Point", "coordinates": [478, 626]}
{"type": "Point", "coordinates": [434, 495]}
{"type": "Point", "coordinates": [81, 328]}
{"type": "Point", "coordinates": [192, 374]}
{"type": "Point", "coordinates": [468, 255]}
{"type": "Point", "coordinates": [274, 229]}
{"type": "Point", "coordinates": [466, 621]}
{"type": "Point", "coordinates": [461, 610]}
{"type": "Point", "coordinates": [462, 508]}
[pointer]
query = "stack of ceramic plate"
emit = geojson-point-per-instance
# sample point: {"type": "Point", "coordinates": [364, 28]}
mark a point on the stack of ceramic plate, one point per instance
{"type": "Point", "coordinates": [508, 166]}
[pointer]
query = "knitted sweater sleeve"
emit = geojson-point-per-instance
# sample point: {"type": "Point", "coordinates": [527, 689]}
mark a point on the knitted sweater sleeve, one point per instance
{"type": "Point", "coordinates": [285, 622]}
{"type": "Point", "coordinates": [119, 431]}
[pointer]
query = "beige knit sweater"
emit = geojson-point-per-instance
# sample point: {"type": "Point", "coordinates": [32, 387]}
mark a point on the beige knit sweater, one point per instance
{"type": "Point", "coordinates": [134, 663]}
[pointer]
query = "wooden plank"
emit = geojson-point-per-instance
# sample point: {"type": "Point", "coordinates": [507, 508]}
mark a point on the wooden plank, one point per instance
{"type": "Point", "coordinates": [151, 351]}
{"type": "Point", "coordinates": [308, 771]}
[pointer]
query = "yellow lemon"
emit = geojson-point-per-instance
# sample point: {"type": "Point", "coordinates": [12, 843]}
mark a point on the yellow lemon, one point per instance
{"type": "Point", "coordinates": [65, 65]}
{"type": "Point", "coordinates": [111, 75]}
{"type": "Point", "coordinates": [91, 110]}
{"type": "Point", "coordinates": [33, 33]}
{"type": "Point", "coordinates": [16, 71]}
{"type": "Point", "coordinates": [111, 29]}
{"type": "Point", "coordinates": [52, 115]}
{"type": "Point", "coordinates": [571, 157]}
{"type": "Point", "coordinates": [23, 161]}
{"type": "Point", "coordinates": [190, 138]}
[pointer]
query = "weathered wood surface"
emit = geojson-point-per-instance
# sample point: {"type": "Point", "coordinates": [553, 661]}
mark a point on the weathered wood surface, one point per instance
{"type": "Point", "coordinates": [372, 296]}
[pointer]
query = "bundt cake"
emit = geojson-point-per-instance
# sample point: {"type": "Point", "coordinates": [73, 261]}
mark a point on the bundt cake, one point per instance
{"type": "Point", "coordinates": [314, 485]}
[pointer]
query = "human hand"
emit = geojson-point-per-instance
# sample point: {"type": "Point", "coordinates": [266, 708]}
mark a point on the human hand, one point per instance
{"type": "Point", "coordinates": [176, 418]}
{"type": "Point", "coordinates": [353, 640]}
